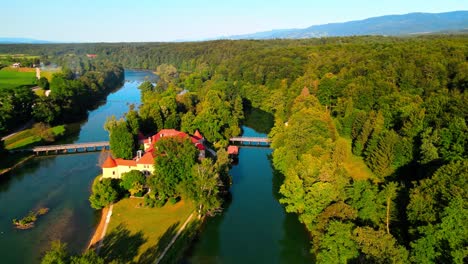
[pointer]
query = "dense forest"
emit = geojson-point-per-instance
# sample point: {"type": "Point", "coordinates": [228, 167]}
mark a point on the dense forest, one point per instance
{"type": "Point", "coordinates": [73, 91]}
{"type": "Point", "coordinates": [370, 132]}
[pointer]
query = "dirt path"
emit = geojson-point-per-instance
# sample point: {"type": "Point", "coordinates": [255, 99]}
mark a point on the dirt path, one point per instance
{"type": "Point", "coordinates": [174, 239]}
{"type": "Point", "coordinates": [100, 232]}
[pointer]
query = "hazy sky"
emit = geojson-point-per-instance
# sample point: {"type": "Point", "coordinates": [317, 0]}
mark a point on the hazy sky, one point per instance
{"type": "Point", "coordinates": [156, 20]}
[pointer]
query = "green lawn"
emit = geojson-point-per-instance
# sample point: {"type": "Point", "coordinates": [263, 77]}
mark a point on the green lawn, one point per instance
{"type": "Point", "coordinates": [140, 234]}
{"type": "Point", "coordinates": [27, 138]}
{"type": "Point", "coordinates": [10, 78]}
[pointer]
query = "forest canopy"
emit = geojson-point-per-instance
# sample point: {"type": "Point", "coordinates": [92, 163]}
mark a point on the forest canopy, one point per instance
{"type": "Point", "coordinates": [370, 132]}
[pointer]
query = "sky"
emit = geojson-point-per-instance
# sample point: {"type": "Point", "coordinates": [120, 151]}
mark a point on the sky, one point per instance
{"type": "Point", "coordinates": [170, 20]}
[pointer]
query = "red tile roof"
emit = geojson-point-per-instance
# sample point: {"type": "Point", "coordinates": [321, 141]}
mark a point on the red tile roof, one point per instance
{"type": "Point", "coordinates": [233, 150]}
{"type": "Point", "coordinates": [147, 159]}
{"type": "Point", "coordinates": [197, 135]}
{"type": "Point", "coordinates": [123, 162]}
{"type": "Point", "coordinates": [109, 163]}
{"type": "Point", "coordinates": [199, 146]}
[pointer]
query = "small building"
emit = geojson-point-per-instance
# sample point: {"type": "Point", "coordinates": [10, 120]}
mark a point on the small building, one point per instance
{"type": "Point", "coordinates": [233, 150]}
{"type": "Point", "coordinates": [114, 168]}
{"type": "Point", "coordinates": [91, 56]}
{"type": "Point", "coordinates": [197, 139]}
{"type": "Point", "coordinates": [16, 65]}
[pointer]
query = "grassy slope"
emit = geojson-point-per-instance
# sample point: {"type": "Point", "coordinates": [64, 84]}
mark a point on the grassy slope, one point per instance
{"type": "Point", "coordinates": [356, 167]}
{"type": "Point", "coordinates": [140, 234]}
{"type": "Point", "coordinates": [10, 78]}
{"type": "Point", "coordinates": [27, 138]}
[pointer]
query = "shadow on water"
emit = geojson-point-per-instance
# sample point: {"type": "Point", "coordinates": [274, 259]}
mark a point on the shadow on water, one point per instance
{"type": "Point", "coordinates": [301, 250]}
{"type": "Point", "coordinates": [257, 119]}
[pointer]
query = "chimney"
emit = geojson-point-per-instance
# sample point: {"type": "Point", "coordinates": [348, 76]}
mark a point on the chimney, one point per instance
{"type": "Point", "coordinates": [139, 152]}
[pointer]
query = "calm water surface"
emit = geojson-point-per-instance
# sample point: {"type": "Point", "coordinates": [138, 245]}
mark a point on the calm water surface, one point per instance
{"type": "Point", "coordinates": [254, 228]}
{"type": "Point", "coordinates": [61, 183]}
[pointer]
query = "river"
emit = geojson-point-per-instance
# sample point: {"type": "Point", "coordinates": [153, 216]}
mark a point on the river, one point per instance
{"type": "Point", "coordinates": [61, 183]}
{"type": "Point", "coordinates": [253, 228]}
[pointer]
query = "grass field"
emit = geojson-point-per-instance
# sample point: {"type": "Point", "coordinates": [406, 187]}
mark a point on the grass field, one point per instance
{"type": "Point", "coordinates": [27, 138]}
{"type": "Point", "coordinates": [140, 234]}
{"type": "Point", "coordinates": [48, 74]}
{"type": "Point", "coordinates": [10, 78]}
{"type": "Point", "coordinates": [21, 56]}
{"type": "Point", "coordinates": [356, 167]}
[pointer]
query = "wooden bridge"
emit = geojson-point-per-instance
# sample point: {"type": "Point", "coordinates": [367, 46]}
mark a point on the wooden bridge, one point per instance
{"type": "Point", "coordinates": [259, 141]}
{"type": "Point", "coordinates": [72, 148]}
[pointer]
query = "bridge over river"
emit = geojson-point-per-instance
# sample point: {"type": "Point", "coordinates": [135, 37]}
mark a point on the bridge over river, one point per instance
{"type": "Point", "coordinates": [72, 148]}
{"type": "Point", "coordinates": [98, 146]}
{"type": "Point", "coordinates": [258, 141]}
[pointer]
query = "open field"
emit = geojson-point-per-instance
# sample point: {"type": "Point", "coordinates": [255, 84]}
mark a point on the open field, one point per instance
{"type": "Point", "coordinates": [140, 234]}
{"type": "Point", "coordinates": [17, 56]}
{"type": "Point", "coordinates": [10, 78]}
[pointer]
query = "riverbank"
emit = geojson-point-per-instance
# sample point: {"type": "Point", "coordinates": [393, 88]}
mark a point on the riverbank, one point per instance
{"type": "Point", "coordinates": [28, 138]}
{"type": "Point", "coordinates": [61, 183]}
{"type": "Point", "coordinates": [99, 232]}
{"type": "Point", "coordinates": [13, 161]}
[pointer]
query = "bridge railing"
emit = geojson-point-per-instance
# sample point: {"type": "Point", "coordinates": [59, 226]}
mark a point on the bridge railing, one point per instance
{"type": "Point", "coordinates": [73, 146]}
{"type": "Point", "coordinates": [251, 140]}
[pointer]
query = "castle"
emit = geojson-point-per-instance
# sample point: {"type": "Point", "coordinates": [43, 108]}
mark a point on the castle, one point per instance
{"type": "Point", "coordinates": [114, 168]}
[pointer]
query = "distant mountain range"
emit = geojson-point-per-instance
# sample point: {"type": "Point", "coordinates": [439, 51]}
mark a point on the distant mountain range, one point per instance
{"type": "Point", "coordinates": [394, 25]}
{"type": "Point", "coordinates": [23, 41]}
{"type": "Point", "coordinates": [391, 25]}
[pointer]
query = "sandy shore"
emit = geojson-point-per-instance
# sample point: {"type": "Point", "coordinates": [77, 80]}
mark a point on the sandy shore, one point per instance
{"type": "Point", "coordinates": [100, 228]}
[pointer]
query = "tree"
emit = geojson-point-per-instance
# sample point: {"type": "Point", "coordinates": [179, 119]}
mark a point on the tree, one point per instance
{"type": "Point", "coordinates": [381, 161]}
{"type": "Point", "coordinates": [174, 160]}
{"type": "Point", "coordinates": [145, 87]}
{"type": "Point", "coordinates": [389, 193]}
{"type": "Point", "coordinates": [133, 120]}
{"type": "Point", "coordinates": [121, 141]}
{"type": "Point", "coordinates": [89, 257]}
{"type": "Point", "coordinates": [44, 131]}
{"type": "Point", "coordinates": [204, 187]}
{"type": "Point", "coordinates": [57, 254]}
{"type": "Point", "coordinates": [438, 212]}
{"type": "Point", "coordinates": [104, 192]}
{"type": "Point", "coordinates": [337, 245]}
{"type": "Point", "coordinates": [428, 150]}
{"type": "Point", "coordinates": [43, 83]}
{"type": "Point", "coordinates": [379, 247]}
{"type": "Point", "coordinates": [133, 181]}
{"type": "Point", "coordinates": [46, 110]}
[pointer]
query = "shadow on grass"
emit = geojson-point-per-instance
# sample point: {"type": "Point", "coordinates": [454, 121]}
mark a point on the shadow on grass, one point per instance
{"type": "Point", "coordinates": [121, 246]}
{"type": "Point", "coordinates": [183, 243]}
{"type": "Point", "coordinates": [177, 250]}
{"type": "Point", "coordinates": [152, 253]}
